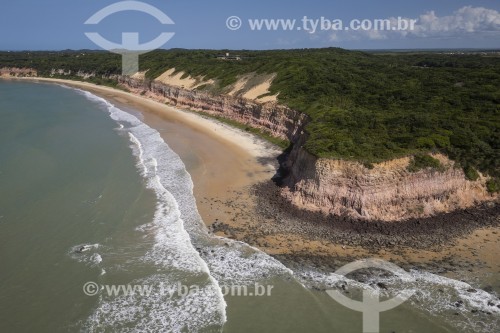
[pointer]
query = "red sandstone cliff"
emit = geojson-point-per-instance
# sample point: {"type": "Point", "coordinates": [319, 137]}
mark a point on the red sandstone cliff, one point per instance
{"type": "Point", "coordinates": [278, 120]}
{"type": "Point", "coordinates": [386, 192]}
{"type": "Point", "coordinates": [17, 72]}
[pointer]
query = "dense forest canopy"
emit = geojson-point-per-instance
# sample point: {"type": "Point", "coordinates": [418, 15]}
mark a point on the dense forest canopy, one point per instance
{"type": "Point", "coordinates": [364, 106]}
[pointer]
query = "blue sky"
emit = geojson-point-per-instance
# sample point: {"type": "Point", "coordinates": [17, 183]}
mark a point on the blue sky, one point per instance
{"type": "Point", "coordinates": [59, 24]}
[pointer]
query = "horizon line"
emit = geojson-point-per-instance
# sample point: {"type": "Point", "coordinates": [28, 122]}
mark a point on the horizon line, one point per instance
{"type": "Point", "coordinates": [276, 49]}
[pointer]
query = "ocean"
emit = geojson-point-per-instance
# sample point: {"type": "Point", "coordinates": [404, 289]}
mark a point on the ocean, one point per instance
{"type": "Point", "coordinates": [99, 232]}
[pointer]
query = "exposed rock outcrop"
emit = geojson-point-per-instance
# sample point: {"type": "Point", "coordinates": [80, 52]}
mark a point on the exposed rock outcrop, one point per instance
{"type": "Point", "coordinates": [278, 120]}
{"type": "Point", "coordinates": [62, 72]}
{"type": "Point", "coordinates": [17, 72]}
{"type": "Point", "coordinates": [387, 192]}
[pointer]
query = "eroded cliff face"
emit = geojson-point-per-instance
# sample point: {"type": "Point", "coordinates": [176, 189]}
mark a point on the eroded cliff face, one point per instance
{"type": "Point", "coordinates": [387, 192]}
{"type": "Point", "coordinates": [17, 72]}
{"type": "Point", "coordinates": [278, 120]}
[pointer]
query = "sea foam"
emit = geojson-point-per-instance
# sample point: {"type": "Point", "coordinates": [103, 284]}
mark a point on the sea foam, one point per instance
{"type": "Point", "coordinates": [172, 248]}
{"type": "Point", "coordinates": [178, 232]}
{"type": "Point", "coordinates": [432, 294]}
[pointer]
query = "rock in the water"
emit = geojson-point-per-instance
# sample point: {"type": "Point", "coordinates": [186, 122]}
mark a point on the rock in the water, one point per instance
{"type": "Point", "coordinates": [382, 285]}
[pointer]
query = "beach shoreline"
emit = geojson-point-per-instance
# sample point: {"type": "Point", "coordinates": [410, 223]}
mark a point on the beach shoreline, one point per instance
{"type": "Point", "coordinates": [228, 168]}
{"type": "Point", "coordinates": [223, 161]}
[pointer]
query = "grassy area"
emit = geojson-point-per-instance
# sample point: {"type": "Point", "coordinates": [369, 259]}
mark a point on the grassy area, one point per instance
{"type": "Point", "coordinates": [493, 185]}
{"type": "Point", "coordinates": [424, 161]}
{"type": "Point", "coordinates": [471, 173]}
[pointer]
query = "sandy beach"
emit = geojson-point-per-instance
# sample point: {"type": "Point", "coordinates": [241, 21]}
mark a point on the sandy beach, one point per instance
{"type": "Point", "coordinates": [223, 161]}
{"type": "Point", "coordinates": [227, 164]}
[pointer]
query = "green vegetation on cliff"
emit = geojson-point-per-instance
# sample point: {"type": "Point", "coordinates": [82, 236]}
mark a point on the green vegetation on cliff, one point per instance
{"type": "Point", "coordinates": [364, 106]}
{"type": "Point", "coordinates": [424, 161]}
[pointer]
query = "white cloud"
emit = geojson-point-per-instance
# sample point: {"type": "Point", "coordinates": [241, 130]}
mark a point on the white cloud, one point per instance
{"type": "Point", "coordinates": [467, 21]}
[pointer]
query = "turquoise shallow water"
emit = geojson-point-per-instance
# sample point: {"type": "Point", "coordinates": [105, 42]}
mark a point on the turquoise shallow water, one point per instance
{"type": "Point", "coordinates": [89, 193]}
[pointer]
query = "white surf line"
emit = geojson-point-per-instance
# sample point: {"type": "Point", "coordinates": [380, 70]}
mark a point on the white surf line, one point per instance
{"type": "Point", "coordinates": [201, 262]}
